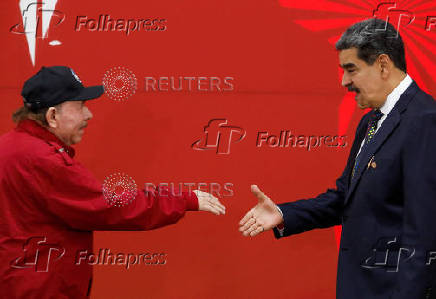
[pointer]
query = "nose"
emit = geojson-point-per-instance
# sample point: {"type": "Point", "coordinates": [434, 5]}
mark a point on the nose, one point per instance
{"type": "Point", "coordinates": [346, 80]}
{"type": "Point", "coordinates": [88, 114]}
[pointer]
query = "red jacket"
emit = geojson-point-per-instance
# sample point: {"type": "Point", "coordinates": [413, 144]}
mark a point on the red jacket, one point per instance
{"type": "Point", "coordinates": [49, 206]}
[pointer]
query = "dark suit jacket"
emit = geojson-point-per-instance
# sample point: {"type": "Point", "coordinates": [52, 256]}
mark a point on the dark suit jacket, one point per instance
{"type": "Point", "coordinates": [387, 212]}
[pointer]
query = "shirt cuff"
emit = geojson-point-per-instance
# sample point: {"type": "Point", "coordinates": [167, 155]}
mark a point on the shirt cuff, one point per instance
{"type": "Point", "coordinates": [281, 227]}
{"type": "Point", "coordinates": [191, 201]}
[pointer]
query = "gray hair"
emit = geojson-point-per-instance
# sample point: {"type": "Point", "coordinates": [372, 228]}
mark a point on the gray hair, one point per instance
{"type": "Point", "coordinates": [373, 37]}
{"type": "Point", "coordinates": [24, 112]}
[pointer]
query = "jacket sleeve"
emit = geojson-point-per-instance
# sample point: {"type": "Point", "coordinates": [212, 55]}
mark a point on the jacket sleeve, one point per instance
{"type": "Point", "coordinates": [326, 209]}
{"type": "Point", "coordinates": [70, 192]}
{"type": "Point", "coordinates": [417, 267]}
{"type": "Point", "coordinates": [323, 211]}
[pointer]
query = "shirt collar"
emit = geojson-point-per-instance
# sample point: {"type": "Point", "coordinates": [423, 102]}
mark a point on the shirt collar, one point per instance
{"type": "Point", "coordinates": [35, 129]}
{"type": "Point", "coordinates": [394, 96]}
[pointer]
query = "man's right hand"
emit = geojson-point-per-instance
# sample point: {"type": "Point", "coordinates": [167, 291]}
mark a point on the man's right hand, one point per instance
{"type": "Point", "coordinates": [264, 216]}
{"type": "Point", "coordinates": [209, 203]}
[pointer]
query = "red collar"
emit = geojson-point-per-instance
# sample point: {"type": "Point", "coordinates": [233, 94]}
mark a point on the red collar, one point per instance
{"type": "Point", "coordinates": [35, 129]}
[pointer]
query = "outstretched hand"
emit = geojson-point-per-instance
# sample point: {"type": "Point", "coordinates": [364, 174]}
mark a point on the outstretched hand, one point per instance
{"type": "Point", "coordinates": [264, 216]}
{"type": "Point", "coordinates": [208, 202]}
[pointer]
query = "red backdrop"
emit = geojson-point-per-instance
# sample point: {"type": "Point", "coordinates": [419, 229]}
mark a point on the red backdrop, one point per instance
{"type": "Point", "coordinates": [281, 57]}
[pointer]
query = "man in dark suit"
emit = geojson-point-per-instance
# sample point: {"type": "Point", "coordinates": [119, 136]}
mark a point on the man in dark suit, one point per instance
{"type": "Point", "coordinates": [385, 198]}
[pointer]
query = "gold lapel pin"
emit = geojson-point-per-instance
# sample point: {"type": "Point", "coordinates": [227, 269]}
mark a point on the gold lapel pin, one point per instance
{"type": "Point", "coordinates": [372, 163]}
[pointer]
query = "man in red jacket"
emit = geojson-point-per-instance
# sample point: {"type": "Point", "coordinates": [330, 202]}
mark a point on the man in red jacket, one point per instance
{"type": "Point", "coordinates": [50, 203]}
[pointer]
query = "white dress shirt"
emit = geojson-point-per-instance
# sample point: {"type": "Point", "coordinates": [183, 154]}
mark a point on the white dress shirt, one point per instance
{"type": "Point", "coordinates": [390, 102]}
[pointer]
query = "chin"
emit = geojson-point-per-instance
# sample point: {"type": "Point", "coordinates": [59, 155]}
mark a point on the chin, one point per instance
{"type": "Point", "coordinates": [76, 140]}
{"type": "Point", "coordinates": [362, 105]}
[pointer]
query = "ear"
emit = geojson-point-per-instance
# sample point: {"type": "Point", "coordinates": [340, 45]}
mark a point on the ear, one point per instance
{"type": "Point", "coordinates": [385, 65]}
{"type": "Point", "coordinates": [51, 117]}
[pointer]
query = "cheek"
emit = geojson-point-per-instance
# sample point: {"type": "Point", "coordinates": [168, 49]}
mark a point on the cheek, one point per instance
{"type": "Point", "coordinates": [373, 81]}
{"type": "Point", "coordinates": [366, 86]}
{"type": "Point", "coordinates": [372, 89]}
{"type": "Point", "coordinates": [69, 126]}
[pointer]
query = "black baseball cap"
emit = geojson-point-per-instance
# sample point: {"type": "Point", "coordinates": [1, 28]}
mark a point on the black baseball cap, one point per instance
{"type": "Point", "coordinates": [54, 85]}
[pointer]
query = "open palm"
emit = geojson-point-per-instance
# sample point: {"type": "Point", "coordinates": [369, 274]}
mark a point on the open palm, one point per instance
{"type": "Point", "coordinates": [264, 216]}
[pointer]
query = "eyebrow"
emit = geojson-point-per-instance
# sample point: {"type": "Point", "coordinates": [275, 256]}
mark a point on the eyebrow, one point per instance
{"type": "Point", "coordinates": [347, 65]}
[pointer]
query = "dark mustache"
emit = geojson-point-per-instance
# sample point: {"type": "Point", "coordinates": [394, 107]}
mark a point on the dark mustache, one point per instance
{"type": "Point", "coordinates": [352, 88]}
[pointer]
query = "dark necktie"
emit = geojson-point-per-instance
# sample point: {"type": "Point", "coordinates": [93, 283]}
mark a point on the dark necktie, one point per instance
{"type": "Point", "coordinates": [372, 127]}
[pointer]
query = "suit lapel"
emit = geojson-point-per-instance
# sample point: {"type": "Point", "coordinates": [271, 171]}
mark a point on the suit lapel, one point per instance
{"type": "Point", "coordinates": [361, 132]}
{"type": "Point", "coordinates": [388, 126]}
